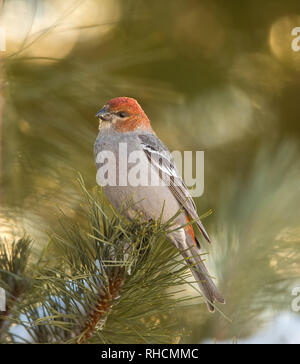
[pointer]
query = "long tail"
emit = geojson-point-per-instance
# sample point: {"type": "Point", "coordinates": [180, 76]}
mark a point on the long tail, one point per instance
{"type": "Point", "coordinates": [198, 268]}
{"type": "Point", "coordinates": [205, 282]}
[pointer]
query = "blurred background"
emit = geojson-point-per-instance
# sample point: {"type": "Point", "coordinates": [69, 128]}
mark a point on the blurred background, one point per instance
{"type": "Point", "coordinates": [218, 76]}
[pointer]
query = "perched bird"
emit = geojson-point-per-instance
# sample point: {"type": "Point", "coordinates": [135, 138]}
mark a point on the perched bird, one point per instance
{"type": "Point", "coordinates": [122, 122]}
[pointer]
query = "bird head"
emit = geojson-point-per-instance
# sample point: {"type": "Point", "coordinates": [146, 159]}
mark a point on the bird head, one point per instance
{"type": "Point", "coordinates": [123, 114]}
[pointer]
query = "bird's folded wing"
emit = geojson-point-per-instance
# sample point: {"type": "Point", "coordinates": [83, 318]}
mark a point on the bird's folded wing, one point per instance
{"type": "Point", "coordinates": [160, 157]}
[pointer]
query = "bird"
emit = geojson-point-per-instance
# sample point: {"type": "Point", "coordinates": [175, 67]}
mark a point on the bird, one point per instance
{"type": "Point", "coordinates": [123, 122]}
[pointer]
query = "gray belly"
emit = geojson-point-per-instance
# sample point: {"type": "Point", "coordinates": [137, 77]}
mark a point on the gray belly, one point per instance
{"type": "Point", "coordinates": [148, 201]}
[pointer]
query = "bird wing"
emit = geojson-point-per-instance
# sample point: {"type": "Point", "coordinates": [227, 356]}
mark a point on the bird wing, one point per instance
{"type": "Point", "coordinates": [160, 157]}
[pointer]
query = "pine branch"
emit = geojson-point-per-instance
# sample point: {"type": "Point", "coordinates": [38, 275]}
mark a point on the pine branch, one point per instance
{"type": "Point", "coordinates": [110, 281]}
{"type": "Point", "coordinates": [102, 308]}
{"type": "Point", "coordinates": [13, 278]}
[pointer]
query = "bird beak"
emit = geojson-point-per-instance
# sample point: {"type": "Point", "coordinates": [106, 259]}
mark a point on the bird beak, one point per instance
{"type": "Point", "coordinates": [104, 114]}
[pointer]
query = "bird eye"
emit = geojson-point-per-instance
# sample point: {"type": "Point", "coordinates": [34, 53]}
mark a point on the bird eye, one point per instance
{"type": "Point", "coordinates": [122, 114]}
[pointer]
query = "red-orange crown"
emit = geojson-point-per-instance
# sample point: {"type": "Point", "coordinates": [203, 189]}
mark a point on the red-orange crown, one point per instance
{"type": "Point", "coordinates": [137, 117]}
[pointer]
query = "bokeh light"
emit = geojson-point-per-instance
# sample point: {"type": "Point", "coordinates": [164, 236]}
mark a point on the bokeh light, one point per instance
{"type": "Point", "coordinates": [50, 29]}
